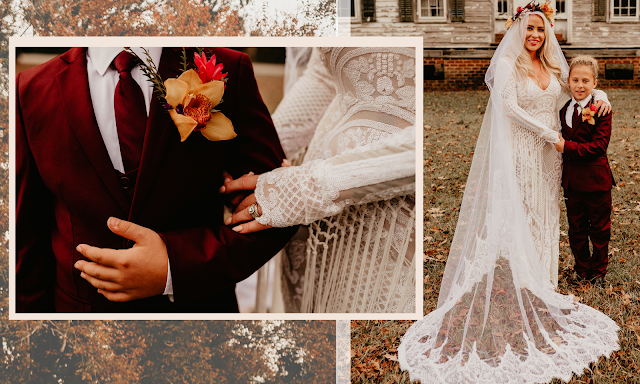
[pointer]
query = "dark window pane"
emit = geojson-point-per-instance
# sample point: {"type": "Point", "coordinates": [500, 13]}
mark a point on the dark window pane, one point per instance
{"type": "Point", "coordinates": [353, 8]}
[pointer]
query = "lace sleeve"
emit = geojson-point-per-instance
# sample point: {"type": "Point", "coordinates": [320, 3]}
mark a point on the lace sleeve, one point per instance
{"type": "Point", "coordinates": [600, 95]}
{"type": "Point", "coordinates": [322, 188]}
{"type": "Point", "coordinates": [299, 112]}
{"type": "Point", "coordinates": [506, 86]}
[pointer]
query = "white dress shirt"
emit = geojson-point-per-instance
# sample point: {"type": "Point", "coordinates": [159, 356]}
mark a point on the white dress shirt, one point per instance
{"type": "Point", "coordinates": [569, 113]}
{"type": "Point", "coordinates": [102, 87]}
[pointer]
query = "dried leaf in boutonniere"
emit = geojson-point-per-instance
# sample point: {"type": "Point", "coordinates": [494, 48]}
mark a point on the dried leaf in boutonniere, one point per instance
{"type": "Point", "coordinates": [192, 97]}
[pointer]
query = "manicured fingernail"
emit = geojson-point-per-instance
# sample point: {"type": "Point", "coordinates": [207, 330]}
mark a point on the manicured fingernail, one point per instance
{"type": "Point", "coordinates": [238, 228]}
{"type": "Point", "coordinates": [79, 248]}
{"type": "Point", "coordinates": [286, 162]}
{"type": "Point", "coordinates": [113, 222]}
{"type": "Point", "coordinates": [222, 189]}
{"type": "Point", "coordinates": [228, 221]}
{"type": "Point", "coordinates": [83, 275]}
{"type": "Point", "coordinates": [76, 265]}
{"type": "Point", "coordinates": [227, 179]}
{"type": "Point", "coordinates": [250, 173]}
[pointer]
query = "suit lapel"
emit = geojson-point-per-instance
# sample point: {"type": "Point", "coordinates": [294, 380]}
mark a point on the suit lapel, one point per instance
{"type": "Point", "coordinates": [160, 129]}
{"type": "Point", "coordinates": [73, 85]}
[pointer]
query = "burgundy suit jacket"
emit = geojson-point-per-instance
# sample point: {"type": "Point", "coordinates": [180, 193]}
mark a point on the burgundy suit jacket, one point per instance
{"type": "Point", "coordinates": [66, 189]}
{"type": "Point", "coordinates": [585, 164]}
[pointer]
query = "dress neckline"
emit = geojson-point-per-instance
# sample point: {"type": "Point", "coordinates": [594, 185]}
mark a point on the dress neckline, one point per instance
{"type": "Point", "coordinates": [539, 87]}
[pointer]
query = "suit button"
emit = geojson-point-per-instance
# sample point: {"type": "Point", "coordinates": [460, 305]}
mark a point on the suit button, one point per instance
{"type": "Point", "coordinates": [125, 182]}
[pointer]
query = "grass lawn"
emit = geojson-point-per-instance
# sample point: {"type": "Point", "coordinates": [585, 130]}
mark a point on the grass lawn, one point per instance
{"type": "Point", "coordinates": [451, 126]}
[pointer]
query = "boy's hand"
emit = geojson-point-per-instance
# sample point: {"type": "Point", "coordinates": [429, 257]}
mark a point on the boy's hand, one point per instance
{"type": "Point", "coordinates": [560, 144]}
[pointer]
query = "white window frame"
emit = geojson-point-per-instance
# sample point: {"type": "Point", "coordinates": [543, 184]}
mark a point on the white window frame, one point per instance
{"type": "Point", "coordinates": [509, 10]}
{"type": "Point", "coordinates": [357, 18]}
{"type": "Point", "coordinates": [432, 19]}
{"type": "Point", "coordinates": [613, 18]}
{"type": "Point", "coordinates": [565, 14]}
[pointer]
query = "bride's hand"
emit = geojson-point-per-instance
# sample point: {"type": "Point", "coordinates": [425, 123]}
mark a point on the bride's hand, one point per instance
{"type": "Point", "coordinates": [242, 215]}
{"type": "Point", "coordinates": [603, 109]}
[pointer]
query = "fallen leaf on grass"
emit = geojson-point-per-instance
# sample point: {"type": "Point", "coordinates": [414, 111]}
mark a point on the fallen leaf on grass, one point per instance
{"type": "Point", "coordinates": [626, 298]}
{"type": "Point", "coordinates": [391, 357]}
{"type": "Point", "coordinates": [612, 251]}
{"type": "Point", "coordinates": [609, 290]}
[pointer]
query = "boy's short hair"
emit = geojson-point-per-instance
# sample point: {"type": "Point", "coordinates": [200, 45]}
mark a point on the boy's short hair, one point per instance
{"type": "Point", "coordinates": [587, 61]}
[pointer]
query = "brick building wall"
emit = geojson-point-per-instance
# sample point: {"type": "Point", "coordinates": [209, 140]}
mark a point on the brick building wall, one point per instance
{"type": "Point", "coordinates": [468, 73]}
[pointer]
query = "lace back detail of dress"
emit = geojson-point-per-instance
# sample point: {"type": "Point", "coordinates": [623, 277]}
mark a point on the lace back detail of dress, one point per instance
{"type": "Point", "coordinates": [364, 260]}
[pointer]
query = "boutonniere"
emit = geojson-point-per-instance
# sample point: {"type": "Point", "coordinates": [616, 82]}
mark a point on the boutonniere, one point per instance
{"type": "Point", "coordinates": [588, 112]}
{"type": "Point", "coordinates": [191, 98]}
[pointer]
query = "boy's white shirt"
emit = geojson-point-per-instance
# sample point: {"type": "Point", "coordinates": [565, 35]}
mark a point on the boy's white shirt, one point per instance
{"type": "Point", "coordinates": [568, 118]}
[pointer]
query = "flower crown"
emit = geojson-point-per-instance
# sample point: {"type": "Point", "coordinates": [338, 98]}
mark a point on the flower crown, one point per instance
{"type": "Point", "coordinates": [533, 6]}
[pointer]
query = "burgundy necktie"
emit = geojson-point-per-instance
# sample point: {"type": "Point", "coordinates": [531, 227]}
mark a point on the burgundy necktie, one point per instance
{"type": "Point", "coordinates": [131, 112]}
{"type": "Point", "coordinates": [576, 116]}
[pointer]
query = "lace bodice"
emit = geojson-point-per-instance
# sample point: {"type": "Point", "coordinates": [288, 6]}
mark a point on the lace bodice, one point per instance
{"type": "Point", "coordinates": [355, 109]}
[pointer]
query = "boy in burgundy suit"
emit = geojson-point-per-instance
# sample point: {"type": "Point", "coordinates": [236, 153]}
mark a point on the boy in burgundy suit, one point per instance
{"type": "Point", "coordinates": [586, 176]}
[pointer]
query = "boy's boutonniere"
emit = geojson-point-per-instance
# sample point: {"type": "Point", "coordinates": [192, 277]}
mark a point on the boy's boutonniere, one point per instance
{"type": "Point", "coordinates": [192, 97]}
{"type": "Point", "coordinates": [588, 112]}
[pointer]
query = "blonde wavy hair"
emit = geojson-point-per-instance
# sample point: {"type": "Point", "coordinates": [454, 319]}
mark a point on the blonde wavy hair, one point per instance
{"type": "Point", "coordinates": [587, 61]}
{"type": "Point", "coordinates": [546, 54]}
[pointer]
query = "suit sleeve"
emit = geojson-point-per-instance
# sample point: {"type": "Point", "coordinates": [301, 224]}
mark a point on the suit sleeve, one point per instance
{"type": "Point", "coordinates": [35, 262]}
{"type": "Point", "coordinates": [596, 147]}
{"type": "Point", "coordinates": [217, 257]}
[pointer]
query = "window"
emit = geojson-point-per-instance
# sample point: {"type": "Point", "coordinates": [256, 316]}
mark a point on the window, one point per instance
{"type": "Point", "coordinates": [432, 10]}
{"type": "Point", "coordinates": [561, 6]}
{"type": "Point", "coordinates": [368, 10]}
{"type": "Point", "coordinates": [624, 10]}
{"type": "Point", "coordinates": [355, 10]}
{"type": "Point", "coordinates": [503, 9]}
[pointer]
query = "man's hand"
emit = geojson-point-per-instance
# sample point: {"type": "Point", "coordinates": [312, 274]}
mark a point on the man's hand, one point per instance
{"type": "Point", "coordinates": [127, 274]}
{"type": "Point", "coordinates": [560, 144]}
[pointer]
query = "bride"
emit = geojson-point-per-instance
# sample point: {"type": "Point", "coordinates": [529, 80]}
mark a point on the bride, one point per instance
{"type": "Point", "coordinates": [499, 319]}
{"type": "Point", "coordinates": [354, 111]}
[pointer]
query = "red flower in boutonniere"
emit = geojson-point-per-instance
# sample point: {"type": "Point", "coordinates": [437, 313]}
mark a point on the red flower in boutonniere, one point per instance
{"type": "Point", "coordinates": [588, 112]}
{"type": "Point", "coordinates": [208, 70]}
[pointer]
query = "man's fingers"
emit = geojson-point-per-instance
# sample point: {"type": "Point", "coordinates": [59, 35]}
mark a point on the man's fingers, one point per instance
{"type": "Point", "coordinates": [226, 177]}
{"type": "Point", "coordinates": [105, 256]}
{"type": "Point", "coordinates": [97, 271]}
{"type": "Point", "coordinates": [252, 226]}
{"type": "Point", "coordinates": [118, 297]}
{"type": "Point", "coordinates": [244, 204]}
{"type": "Point", "coordinates": [245, 183]}
{"type": "Point", "coordinates": [101, 284]}
{"type": "Point", "coordinates": [128, 230]}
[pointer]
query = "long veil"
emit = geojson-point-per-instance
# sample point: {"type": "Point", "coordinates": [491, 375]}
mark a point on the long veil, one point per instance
{"type": "Point", "coordinates": [498, 318]}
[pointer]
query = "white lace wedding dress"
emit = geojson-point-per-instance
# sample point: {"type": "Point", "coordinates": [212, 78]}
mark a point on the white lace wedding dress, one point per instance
{"type": "Point", "coordinates": [499, 319]}
{"type": "Point", "coordinates": [354, 111]}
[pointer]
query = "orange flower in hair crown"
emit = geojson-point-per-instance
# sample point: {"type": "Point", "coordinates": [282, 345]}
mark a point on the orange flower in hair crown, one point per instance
{"type": "Point", "coordinates": [192, 97]}
{"type": "Point", "coordinates": [546, 8]}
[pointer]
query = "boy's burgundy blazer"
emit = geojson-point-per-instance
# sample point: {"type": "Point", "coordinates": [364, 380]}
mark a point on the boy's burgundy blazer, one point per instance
{"type": "Point", "coordinates": [66, 189]}
{"type": "Point", "coordinates": [585, 165]}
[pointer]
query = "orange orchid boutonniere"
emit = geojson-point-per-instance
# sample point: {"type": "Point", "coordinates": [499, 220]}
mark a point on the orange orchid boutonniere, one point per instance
{"type": "Point", "coordinates": [192, 97]}
{"type": "Point", "coordinates": [588, 113]}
